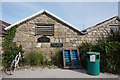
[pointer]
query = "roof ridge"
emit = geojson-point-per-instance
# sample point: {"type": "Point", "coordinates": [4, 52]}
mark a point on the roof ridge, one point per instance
{"type": "Point", "coordinates": [40, 12]}
{"type": "Point", "coordinates": [92, 27]}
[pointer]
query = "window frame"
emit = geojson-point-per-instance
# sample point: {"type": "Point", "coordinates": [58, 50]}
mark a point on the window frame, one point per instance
{"type": "Point", "coordinates": [114, 25]}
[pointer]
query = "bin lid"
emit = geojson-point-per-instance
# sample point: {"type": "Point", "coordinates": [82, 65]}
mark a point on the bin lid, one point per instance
{"type": "Point", "coordinates": [93, 53]}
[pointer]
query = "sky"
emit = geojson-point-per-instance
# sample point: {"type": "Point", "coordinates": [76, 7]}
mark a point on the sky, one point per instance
{"type": "Point", "coordinates": [80, 14]}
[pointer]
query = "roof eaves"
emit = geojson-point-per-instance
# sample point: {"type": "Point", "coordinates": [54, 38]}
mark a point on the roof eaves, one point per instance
{"type": "Point", "coordinates": [4, 23]}
{"type": "Point", "coordinates": [98, 25]}
{"type": "Point", "coordinates": [24, 20]}
{"type": "Point", "coordinates": [41, 13]}
{"type": "Point", "coordinates": [63, 21]}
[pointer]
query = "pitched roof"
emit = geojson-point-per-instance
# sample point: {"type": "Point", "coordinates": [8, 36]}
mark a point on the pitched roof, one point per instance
{"type": "Point", "coordinates": [85, 31]}
{"type": "Point", "coordinates": [2, 26]}
{"type": "Point", "coordinates": [50, 14]}
{"type": "Point", "coordinates": [5, 24]}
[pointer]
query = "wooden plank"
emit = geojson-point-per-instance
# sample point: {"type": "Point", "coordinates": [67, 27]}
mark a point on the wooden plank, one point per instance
{"type": "Point", "coordinates": [64, 58]}
{"type": "Point", "coordinates": [71, 57]}
{"type": "Point", "coordinates": [44, 30]}
{"type": "Point", "coordinates": [71, 67]}
{"type": "Point", "coordinates": [79, 56]}
{"type": "Point", "coordinates": [72, 63]}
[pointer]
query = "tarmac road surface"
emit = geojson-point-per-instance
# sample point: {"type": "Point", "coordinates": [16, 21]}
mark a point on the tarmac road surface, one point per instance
{"type": "Point", "coordinates": [54, 73]}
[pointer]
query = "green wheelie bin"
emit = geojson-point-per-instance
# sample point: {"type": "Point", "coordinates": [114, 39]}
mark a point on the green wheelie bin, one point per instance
{"type": "Point", "coordinates": [93, 63]}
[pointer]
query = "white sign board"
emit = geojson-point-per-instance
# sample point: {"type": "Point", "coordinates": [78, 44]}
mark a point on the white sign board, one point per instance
{"type": "Point", "coordinates": [38, 45]}
{"type": "Point", "coordinates": [92, 58]}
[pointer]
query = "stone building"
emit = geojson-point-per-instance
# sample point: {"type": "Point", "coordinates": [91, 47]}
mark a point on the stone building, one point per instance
{"type": "Point", "coordinates": [46, 32]}
{"type": "Point", "coordinates": [101, 31]}
{"type": "Point", "coordinates": [2, 32]}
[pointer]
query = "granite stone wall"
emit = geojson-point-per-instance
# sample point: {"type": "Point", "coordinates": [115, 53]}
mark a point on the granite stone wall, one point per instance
{"type": "Point", "coordinates": [1, 38]}
{"type": "Point", "coordinates": [100, 33]}
{"type": "Point", "coordinates": [26, 37]}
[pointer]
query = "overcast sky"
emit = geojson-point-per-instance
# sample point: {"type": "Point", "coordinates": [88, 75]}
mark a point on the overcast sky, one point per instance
{"type": "Point", "coordinates": [80, 14]}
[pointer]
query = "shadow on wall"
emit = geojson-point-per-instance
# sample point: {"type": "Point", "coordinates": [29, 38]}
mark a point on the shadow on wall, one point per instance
{"type": "Point", "coordinates": [103, 36]}
{"type": "Point", "coordinates": [113, 35]}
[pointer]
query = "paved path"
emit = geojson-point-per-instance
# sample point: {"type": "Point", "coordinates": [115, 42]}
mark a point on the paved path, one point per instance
{"type": "Point", "coordinates": [0, 72]}
{"type": "Point", "coordinates": [55, 73]}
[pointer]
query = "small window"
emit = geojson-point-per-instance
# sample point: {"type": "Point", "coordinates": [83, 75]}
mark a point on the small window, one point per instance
{"type": "Point", "coordinates": [114, 28]}
{"type": "Point", "coordinates": [44, 29]}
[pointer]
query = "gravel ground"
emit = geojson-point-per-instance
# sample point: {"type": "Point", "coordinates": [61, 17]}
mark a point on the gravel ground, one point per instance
{"type": "Point", "coordinates": [54, 73]}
